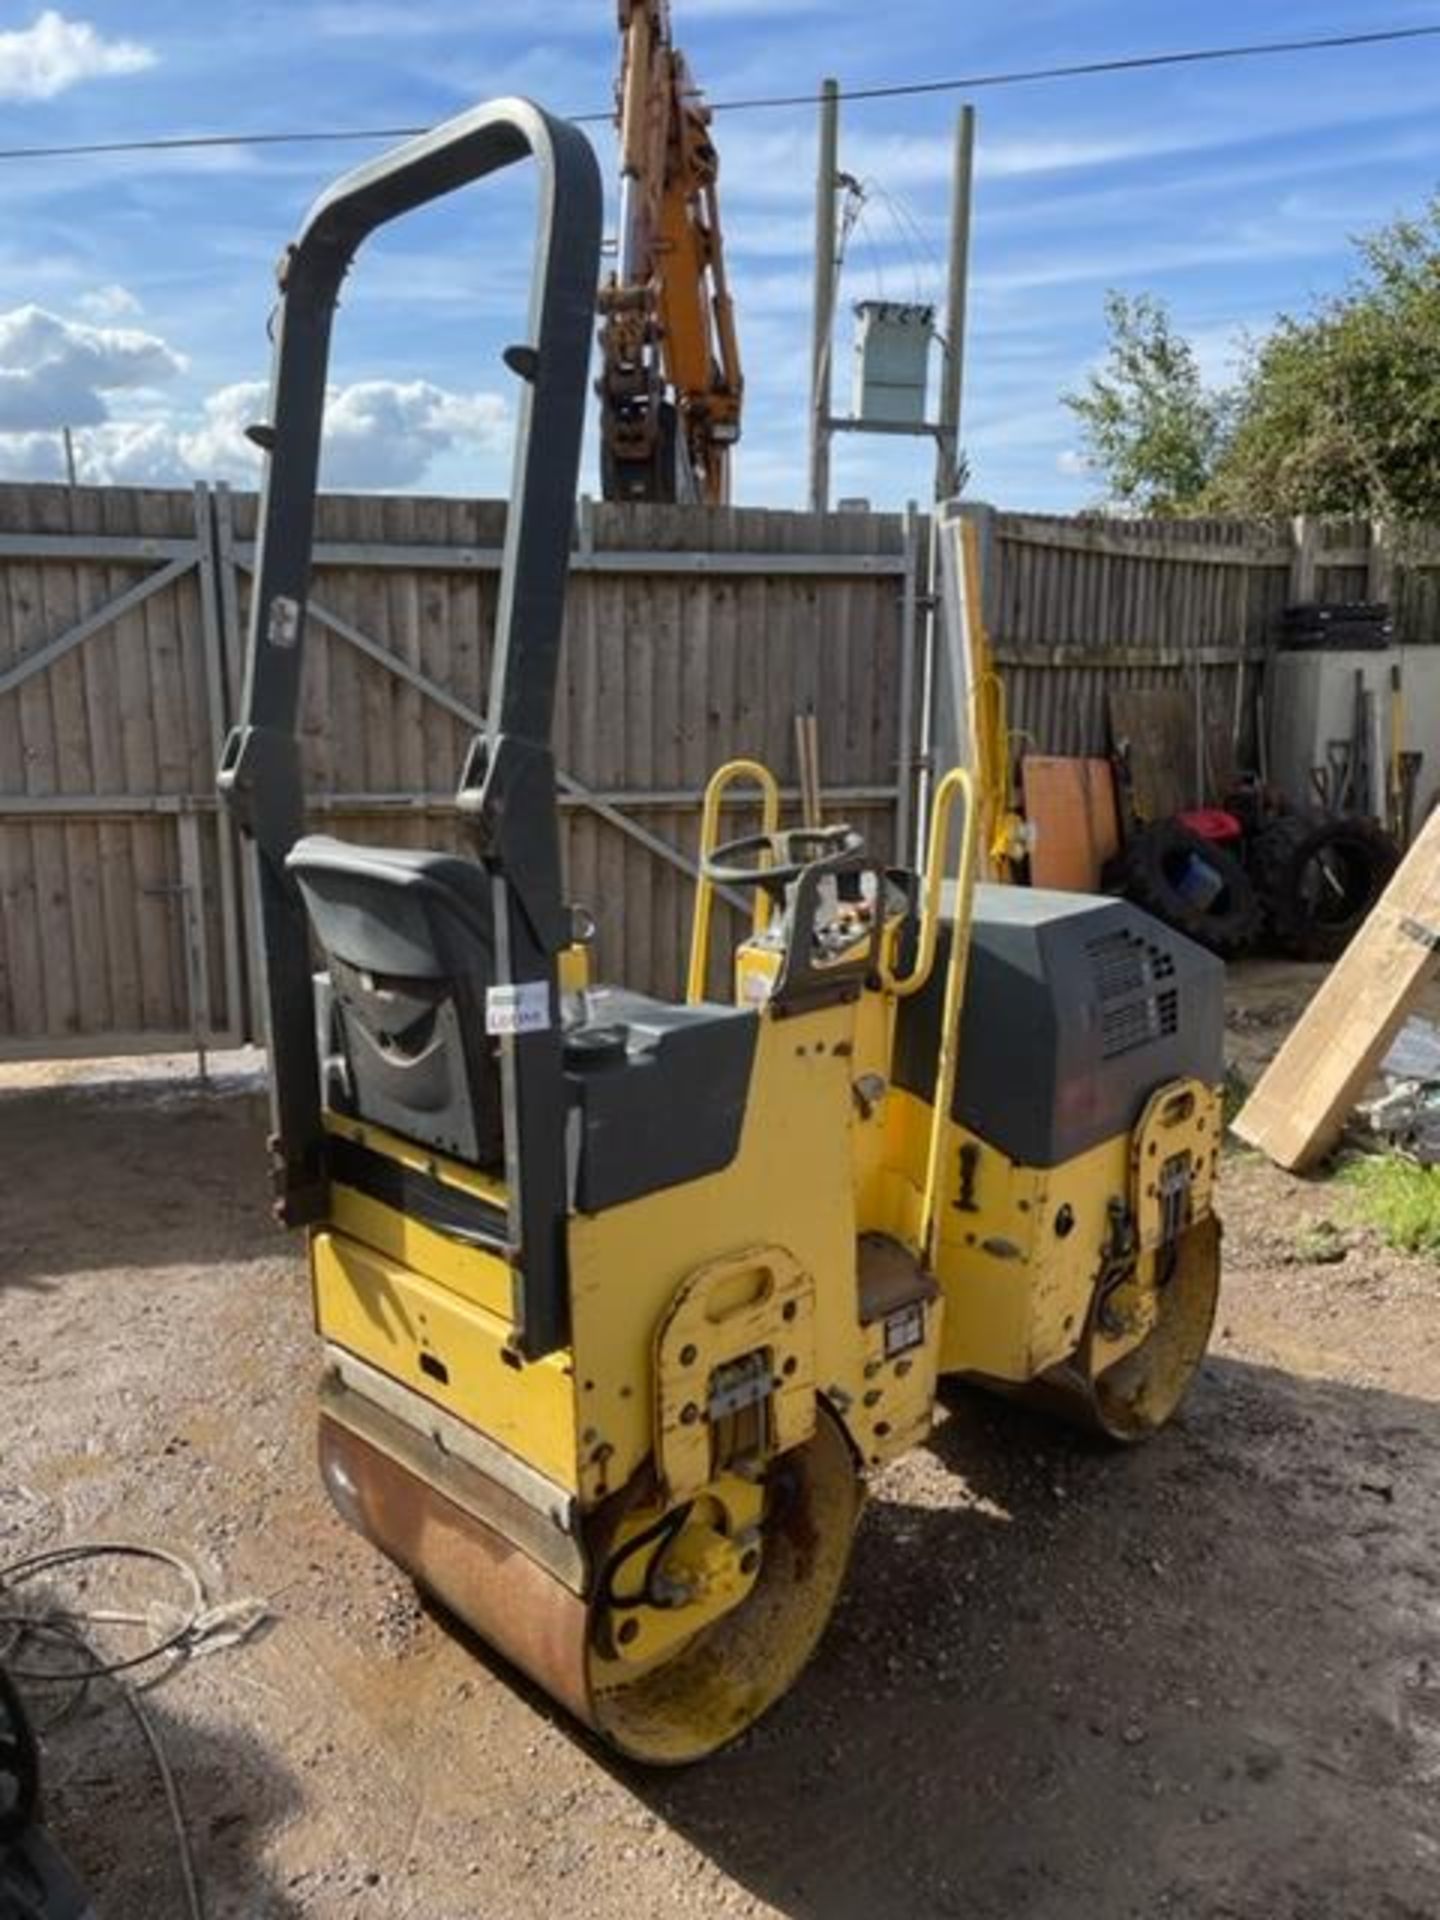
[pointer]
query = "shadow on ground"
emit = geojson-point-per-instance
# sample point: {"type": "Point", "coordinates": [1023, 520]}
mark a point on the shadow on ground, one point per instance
{"type": "Point", "coordinates": [1203, 1676]}
{"type": "Point", "coordinates": [140, 1172]}
{"type": "Point", "coordinates": [104, 1807]}
{"type": "Point", "coordinates": [1200, 1681]}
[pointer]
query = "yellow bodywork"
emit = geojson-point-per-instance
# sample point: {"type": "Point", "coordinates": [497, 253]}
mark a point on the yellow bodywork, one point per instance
{"type": "Point", "coordinates": [628, 1265]}
{"type": "Point", "coordinates": [1017, 1251]}
{"type": "Point", "coordinates": [446, 1348]}
{"type": "Point", "coordinates": [798, 1304]}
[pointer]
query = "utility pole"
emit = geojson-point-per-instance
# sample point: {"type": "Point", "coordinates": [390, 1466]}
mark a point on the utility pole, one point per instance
{"type": "Point", "coordinates": [67, 440]}
{"type": "Point", "coordinates": [952, 377]}
{"type": "Point", "coordinates": [824, 313]}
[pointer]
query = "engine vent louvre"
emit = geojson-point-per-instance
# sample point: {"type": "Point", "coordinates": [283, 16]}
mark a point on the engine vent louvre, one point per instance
{"type": "Point", "coordinates": [1127, 971]}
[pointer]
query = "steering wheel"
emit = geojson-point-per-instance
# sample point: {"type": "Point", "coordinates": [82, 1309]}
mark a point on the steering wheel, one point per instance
{"type": "Point", "coordinates": [737, 863]}
{"type": "Point", "coordinates": [19, 1764]}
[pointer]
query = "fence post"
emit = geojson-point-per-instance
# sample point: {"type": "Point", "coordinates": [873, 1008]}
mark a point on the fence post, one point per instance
{"type": "Point", "coordinates": [1380, 567]}
{"type": "Point", "coordinates": [1304, 562]}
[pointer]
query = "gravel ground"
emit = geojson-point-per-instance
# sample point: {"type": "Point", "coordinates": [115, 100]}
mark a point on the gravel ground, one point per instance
{"type": "Point", "coordinates": [1202, 1679]}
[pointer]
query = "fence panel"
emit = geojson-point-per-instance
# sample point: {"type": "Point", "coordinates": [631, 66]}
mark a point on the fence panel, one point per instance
{"type": "Point", "coordinates": [117, 908]}
{"type": "Point", "coordinates": [1077, 607]}
{"type": "Point", "coordinates": [691, 636]}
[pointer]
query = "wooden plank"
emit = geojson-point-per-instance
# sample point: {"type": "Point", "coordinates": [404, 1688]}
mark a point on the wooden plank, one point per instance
{"type": "Point", "coordinates": [58, 1008]}
{"type": "Point", "coordinates": [400, 597]}
{"type": "Point", "coordinates": [112, 665]}
{"type": "Point", "coordinates": [1071, 809]}
{"type": "Point", "coordinates": [1304, 559]}
{"type": "Point", "coordinates": [439, 749]}
{"type": "Point", "coordinates": [1102, 537]}
{"type": "Point", "coordinates": [385, 697]}
{"type": "Point", "coordinates": [1154, 728]}
{"type": "Point", "coordinates": [158, 712]}
{"type": "Point", "coordinates": [137, 736]}
{"type": "Point", "coordinates": [668, 697]}
{"type": "Point", "coordinates": [61, 598]}
{"type": "Point", "coordinates": [1099, 658]}
{"type": "Point", "coordinates": [1297, 1112]}
{"type": "Point", "coordinates": [170, 705]}
{"type": "Point", "coordinates": [22, 997]}
{"type": "Point", "coordinates": [470, 624]}
{"type": "Point", "coordinates": [637, 751]}
{"type": "Point", "coordinates": [608, 904]}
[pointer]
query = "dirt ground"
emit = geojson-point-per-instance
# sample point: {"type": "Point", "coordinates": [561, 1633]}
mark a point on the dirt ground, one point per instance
{"type": "Point", "coordinates": [1200, 1680]}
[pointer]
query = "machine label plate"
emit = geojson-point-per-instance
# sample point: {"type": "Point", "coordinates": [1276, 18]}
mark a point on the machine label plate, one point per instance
{"type": "Point", "coordinates": [282, 629]}
{"type": "Point", "coordinates": [904, 1328]}
{"type": "Point", "coordinates": [524, 1008]}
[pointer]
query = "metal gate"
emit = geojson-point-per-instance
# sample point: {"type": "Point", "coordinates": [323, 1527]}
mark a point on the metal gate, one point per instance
{"type": "Point", "coordinates": [119, 918]}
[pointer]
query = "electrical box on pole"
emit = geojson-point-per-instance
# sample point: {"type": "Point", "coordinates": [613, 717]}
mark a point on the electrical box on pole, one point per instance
{"type": "Point", "coordinates": [892, 358]}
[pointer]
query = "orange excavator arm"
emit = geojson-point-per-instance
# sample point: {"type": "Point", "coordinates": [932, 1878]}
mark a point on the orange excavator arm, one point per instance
{"type": "Point", "coordinates": [670, 384]}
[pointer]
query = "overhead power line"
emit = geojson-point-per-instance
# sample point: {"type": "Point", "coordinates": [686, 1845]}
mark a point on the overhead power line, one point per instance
{"type": "Point", "coordinates": [899, 90]}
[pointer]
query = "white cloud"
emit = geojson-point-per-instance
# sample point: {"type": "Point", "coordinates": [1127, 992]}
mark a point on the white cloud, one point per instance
{"type": "Point", "coordinates": [53, 54]}
{"type": "Point", "coordinates": [381, 435]}
{"type": "Point", "coordinates": [1072, 462]}
{"type": "Point", "coordinates": [109, 303]}
{"type": "Point", "coordinates": [378, 433]}
{"type": "Point", "coordinates": [384, 433]}
{"type": "Point", "coordinates": [56, 373]}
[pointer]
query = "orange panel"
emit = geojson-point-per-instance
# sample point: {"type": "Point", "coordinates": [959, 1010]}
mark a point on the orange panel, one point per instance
{"type": "Point", "coordinates": [1073, 819]}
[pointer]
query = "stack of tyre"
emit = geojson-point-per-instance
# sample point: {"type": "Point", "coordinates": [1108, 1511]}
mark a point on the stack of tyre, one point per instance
{"type": "Point", "coordinates": [1302, 882]}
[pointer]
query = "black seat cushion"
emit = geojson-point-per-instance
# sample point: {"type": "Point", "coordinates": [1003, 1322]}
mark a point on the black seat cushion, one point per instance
{"type": "Point", "coordinates": [408, 938]}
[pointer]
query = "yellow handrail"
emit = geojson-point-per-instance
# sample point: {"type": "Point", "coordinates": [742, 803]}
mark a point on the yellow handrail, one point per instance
{"type": "Point", "coordinates": [957, 781]}
{"type": "Point", "coordinates": [720, 781]}
{"type": "Point", "coordinates": [957, 784]}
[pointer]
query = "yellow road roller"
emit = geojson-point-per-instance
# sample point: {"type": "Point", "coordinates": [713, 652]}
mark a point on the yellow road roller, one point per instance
{"type": "Point", "coordinates": [621, 1301]}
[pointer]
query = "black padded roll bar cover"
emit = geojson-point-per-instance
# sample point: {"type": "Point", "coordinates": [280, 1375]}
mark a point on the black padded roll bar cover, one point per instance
{"type": "Point", "coordinates": [550, 411]}
{"type": "Point", "coordinates": [261, 771]}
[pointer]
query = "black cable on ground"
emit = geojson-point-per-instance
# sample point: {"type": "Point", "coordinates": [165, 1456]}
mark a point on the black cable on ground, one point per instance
{"type": "Point", "coordinates": [64, 1626]}
{"type": "Point", "coordinates": [16, 1572]}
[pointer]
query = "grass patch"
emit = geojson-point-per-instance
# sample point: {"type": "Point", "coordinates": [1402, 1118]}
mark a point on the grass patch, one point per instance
{"type": "Point", "coordinates": [1399, 1198]}
{"type": "Point", "coordinates": [1321, 1244]}
{"type": "Point", "coordinates": [1234, 1092]}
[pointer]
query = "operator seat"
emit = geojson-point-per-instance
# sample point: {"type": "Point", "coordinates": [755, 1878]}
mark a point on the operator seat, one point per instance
{"type": "Point", "coordinates": [409, 942]}
{"type": "Point", "coordinates": [657, 1093]}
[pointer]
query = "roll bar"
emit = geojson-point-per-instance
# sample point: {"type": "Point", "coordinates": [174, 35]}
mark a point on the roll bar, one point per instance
{"type": "Point", "coordinates": [507, 790]}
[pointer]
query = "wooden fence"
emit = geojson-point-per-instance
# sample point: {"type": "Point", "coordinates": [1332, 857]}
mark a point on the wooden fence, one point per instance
{"type": "Point", "coordinates": [1077, 608]}
{"type": "Point", "coordinates": [691, 636]}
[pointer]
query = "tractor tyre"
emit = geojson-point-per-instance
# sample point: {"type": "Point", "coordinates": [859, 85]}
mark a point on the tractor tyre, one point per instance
{"type": "Point", "coordinates": [1318, 876]}
{"type": "Point", "coordinates": [1194, 886]}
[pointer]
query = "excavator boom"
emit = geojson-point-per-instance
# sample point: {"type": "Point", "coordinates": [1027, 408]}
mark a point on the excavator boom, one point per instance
{"type": "Point", "coordinates": [670, 384]}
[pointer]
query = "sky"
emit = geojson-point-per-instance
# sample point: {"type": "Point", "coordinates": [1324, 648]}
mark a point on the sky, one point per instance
{"type": "Point", "coordinates": [135, 290]}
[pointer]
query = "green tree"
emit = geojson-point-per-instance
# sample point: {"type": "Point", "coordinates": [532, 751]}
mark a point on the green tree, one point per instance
{"type": "Point", "coordinates": [1148, 424]}
{"type": "Point", "coordinates": [1339, 412]}
{"type": "Point", "coordinates": [1335, 411]}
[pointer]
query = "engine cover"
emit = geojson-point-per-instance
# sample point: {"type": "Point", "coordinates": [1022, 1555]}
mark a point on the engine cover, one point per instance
{"type": "Point", "coordinates": [1076, 1008]}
